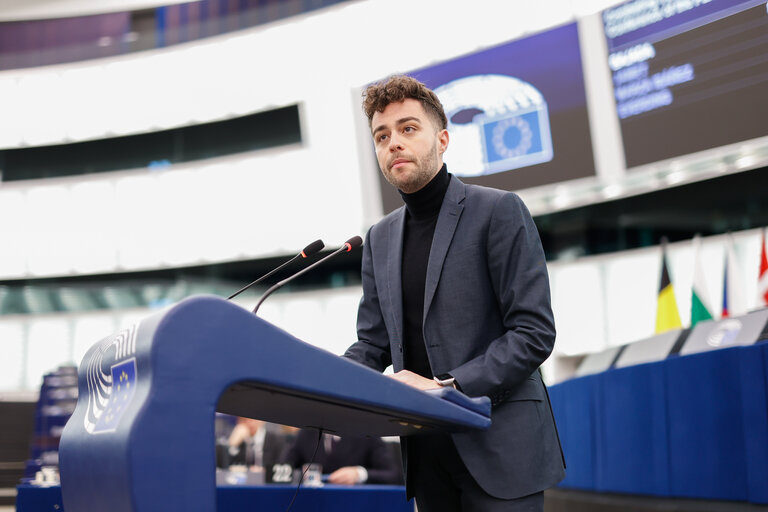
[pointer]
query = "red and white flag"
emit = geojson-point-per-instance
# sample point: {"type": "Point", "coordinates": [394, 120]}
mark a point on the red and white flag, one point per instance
{"type": "Point", "coordinates": [762, 281]}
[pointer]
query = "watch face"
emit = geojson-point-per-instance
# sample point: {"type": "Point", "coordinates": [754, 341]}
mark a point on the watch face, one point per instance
{"type": "Point", "coordinates": [444, 376]}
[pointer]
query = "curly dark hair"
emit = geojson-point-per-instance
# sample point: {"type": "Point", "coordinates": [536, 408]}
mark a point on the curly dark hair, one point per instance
{"type": "Point", "coordinates": [399, 88]}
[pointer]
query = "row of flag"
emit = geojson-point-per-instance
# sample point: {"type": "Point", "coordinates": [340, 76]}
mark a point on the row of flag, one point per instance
{"type": "Point", "coordinates": [733, 300]}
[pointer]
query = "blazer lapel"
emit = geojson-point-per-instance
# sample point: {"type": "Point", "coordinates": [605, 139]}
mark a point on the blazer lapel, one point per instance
{"type": "Point", "coordinates": [447, 220]}
{"type": "Point", "coordinates": [394, 271]}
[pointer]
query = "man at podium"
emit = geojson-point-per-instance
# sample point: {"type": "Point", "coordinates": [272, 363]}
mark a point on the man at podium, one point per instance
{"type": "Point", "coordinates": [456, 293]}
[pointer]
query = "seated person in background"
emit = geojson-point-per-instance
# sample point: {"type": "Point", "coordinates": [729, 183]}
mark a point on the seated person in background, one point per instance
{"type": "Point", "coordinates": [346, 460]}
{"type": "Point", "coordinates": [254, 444]}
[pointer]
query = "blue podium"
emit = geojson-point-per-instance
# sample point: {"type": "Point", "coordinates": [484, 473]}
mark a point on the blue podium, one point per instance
{"type": "Point", "coordinates": [141, 437]}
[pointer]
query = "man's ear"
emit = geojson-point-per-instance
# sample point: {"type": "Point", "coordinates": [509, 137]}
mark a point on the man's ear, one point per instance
{"type": "Point", "coordinates": [442, 138]}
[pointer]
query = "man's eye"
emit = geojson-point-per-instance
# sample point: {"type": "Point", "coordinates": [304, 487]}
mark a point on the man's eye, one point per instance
{"type": "Point", "coordinates": [381, 138]}
{"type": "Point", "coordinates": [408, 129]}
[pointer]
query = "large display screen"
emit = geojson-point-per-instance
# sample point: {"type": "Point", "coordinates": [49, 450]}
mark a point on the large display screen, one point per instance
{"type": "Point", "coordinates": [517, 113]}
{"type": "Point", "coordinates": [688, 75]}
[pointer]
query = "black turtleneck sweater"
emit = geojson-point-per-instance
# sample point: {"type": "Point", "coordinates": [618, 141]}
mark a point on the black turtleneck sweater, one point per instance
{"type": "Point", "coordinates": [421, 211]}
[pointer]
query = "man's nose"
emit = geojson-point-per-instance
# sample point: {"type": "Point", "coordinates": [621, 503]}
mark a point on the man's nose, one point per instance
{"type": "Point", "coordinates": [395, 144]}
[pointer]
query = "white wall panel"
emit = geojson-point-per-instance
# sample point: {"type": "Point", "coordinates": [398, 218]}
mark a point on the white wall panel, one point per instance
{"type": "Point", "coordinates": [41, 122]}
{"type": "Point", "coordinates": [140, 219]}
{"type": "Point", "coordinates": [12, 347]}
{"type": "Point", "coordinates": [231, 209]}
{"type": "Point", "coordinates": [91, 233]}
{"type": "Point", "coordinates": [10, 134]}
{"type": "Point", "coordinates": [49, 345]}
{"type": "Point", "coordinates": [13, 233]}
{"type": "Point", "coordinates": [577, 300]}
{"type": "Point", "coordinates": [632, 286]}
{"type": "Point", "coordinates": [48, 216]}
{"type": "Point", "coordinates": [86, 96]}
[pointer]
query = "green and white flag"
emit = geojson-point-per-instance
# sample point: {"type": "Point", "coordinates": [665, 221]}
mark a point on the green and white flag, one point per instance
{"type": "Point", "coordinates": [701, 308]}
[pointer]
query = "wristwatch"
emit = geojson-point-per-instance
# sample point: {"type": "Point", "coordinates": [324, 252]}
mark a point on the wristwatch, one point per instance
{"type": "Point", "coordinates": [445, 380]}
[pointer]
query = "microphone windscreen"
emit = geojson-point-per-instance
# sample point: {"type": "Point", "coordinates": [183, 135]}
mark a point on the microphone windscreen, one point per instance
{"type": "Point", "coordinates": [353, 242]}
{"type": "Point", "coordinates": [312, 248]}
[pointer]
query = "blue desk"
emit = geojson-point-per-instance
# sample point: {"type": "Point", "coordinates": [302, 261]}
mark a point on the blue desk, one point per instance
{"type": "Point", "coordinates": [692, 426]}
{"type": "Point", "coordinates": [631, 432]}
{"type": "Point", "coordinates": [573, 404]}
{"type": "Point", "coordinates": [331, 498]}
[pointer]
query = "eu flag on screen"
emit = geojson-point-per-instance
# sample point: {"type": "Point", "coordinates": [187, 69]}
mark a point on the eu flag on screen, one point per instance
{"type": "Point", "coordinates": [123, 389]}
{"type": "Point", "coordinates": [517, 140]}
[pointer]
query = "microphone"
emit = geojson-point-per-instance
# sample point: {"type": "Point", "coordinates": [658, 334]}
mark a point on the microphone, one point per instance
{"type": "Point", "coordinates": [308, 251]}
{"type": "Point", "coordinates": [350, 244]}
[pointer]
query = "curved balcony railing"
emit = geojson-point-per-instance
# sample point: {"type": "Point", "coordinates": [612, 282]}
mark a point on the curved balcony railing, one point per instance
{"type": "Point", "coordinates": [25, 44]}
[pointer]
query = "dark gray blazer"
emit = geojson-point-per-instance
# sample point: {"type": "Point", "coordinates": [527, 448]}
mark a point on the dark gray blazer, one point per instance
{"type": "Point", "coordinates": [487, 321]}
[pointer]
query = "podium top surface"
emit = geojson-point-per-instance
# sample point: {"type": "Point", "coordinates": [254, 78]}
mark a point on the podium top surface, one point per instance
{"type": "Point", "coordinates": [228, 358]}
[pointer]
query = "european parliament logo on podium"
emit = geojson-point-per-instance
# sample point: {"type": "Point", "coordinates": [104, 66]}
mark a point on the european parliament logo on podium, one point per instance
{"type": "Point", "coordinates": [497, 123]}
{"type": "Point", "coordinates": [123, 387]}
{"type": "Point", "coordinates": [111, 381]}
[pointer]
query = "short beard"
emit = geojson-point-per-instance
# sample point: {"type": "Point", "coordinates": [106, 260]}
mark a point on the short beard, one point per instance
{"type": "Point", "coordinates": [427, 167]}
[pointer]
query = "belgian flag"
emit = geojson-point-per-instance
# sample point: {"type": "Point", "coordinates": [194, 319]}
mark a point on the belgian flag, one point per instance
{"type": "Point", "coordinates": [667, 316]}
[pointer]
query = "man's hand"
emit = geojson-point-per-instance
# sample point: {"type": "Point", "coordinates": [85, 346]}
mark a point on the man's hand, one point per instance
{"type": "Point", "coordinates": [239, 435]}
{"type": "Point", "coordinates": [415, 380]}
{"type": "Point", "coordinates": [344, 476]}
